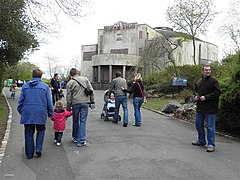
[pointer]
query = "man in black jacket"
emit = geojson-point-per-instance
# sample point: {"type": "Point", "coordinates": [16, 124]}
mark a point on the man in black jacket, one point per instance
{"type": "Point", "coordinates": [207, 96]}
{"type": "Point", "coordinates": [55, 87]}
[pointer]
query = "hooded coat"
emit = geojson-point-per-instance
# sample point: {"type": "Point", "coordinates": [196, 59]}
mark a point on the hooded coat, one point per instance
{"type": "Point", "coordinates": [35, 102]}
{"type": "Point", "coordinates": [59, 118]}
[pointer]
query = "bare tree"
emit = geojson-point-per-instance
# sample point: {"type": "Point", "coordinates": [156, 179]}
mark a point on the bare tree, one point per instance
{"type": "Point", "coordinates": [53, 64]}
{"type": "Point", "coordinates": [157, 53]}
{"type": "Point", "coordinates": [76, 62]}
{"type": "Point", "coordinates": [46, 13]}
{"type": "Point", "coordinates": [191, 17]}
{"type": "Point", "coordinates": [230, 28]}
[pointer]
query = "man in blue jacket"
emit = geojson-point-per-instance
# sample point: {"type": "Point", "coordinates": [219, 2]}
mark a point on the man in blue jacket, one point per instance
{"type": "Point", "coordinates": [35, 105]}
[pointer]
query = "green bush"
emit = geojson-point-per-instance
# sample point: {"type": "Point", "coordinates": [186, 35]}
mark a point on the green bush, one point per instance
{"type": "Point", "coordinates": [228, 117]}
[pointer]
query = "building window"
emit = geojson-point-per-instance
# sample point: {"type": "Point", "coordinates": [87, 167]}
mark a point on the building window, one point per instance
{"type": "Point", "coordinates": [119, 51]}
{"type": "Point", "coordinates": [87, 56]}
{"type": "Point", "coordinates": [140, 34]}
{"type": "Point", "coordinates": [100, 44]}
{"type": "Point", "coordinates": [140, 51]}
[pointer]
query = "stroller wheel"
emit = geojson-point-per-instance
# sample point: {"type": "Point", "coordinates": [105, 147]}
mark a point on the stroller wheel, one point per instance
{"type": "Point", "coordinates": [106, 118]}
{"type": "Point", "coordinates": [102, 116]}
{"type": "Point", "coordinates": [119, 118]}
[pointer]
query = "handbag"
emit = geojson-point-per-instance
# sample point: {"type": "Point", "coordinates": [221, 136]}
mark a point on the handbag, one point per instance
{"type": "Point", "coordinates": [144, 98]}
{"type": "Point", "coordinates": [87, 90]}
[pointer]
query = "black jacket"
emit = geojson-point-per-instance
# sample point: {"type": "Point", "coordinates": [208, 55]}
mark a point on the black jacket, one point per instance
{"type": "Point", "coordinates": [210, 88]}
{"type": "Point", "coordinates": [135, 90]}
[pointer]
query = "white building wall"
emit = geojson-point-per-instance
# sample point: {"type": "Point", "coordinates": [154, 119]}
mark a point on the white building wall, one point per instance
{"type": "Point", "coordinates": [184, 53]}
{"type": "Point", "coordinates": [86, 66]}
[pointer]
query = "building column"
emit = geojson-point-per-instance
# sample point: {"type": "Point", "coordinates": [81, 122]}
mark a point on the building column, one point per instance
{"type": "Point", "coordinates": [124, 71]}
{"type": "Point", "coordinates": [110, 73]}
{"type": "Point", "coordinates": [99, 74]}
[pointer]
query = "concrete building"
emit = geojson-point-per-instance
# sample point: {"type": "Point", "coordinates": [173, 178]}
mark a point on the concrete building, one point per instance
{"type": "Point", "coordinates": [120, 46]}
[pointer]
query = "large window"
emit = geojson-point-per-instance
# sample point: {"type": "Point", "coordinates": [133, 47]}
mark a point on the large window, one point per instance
{"type": "Point", "coordinates": [119, 51]}
{"type": "Point", "coordinates": [87, 56]}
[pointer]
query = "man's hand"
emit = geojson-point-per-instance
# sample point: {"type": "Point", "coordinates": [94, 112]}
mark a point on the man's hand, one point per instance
{"type": "Point", "coordinates": [196, 98]}
{"type": "Point", "coordinates": [92, 106]}
{"type": "Point", "coordinates": [202, 98]}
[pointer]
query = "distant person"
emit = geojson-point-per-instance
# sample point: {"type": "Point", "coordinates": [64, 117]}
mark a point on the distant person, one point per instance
{"type": "Point", "coordinates": [59, 121]}
{"type": "Point", "coordinates": [61, 94]}
{"type": "Point", "coordinates": [55, 87]}
{"type": "Point", "coordinates": [35, 106]}
{"type": "Point", "coordinates": [120, 97]}
{"type": "Point", "coordinates": [208, 91]}
{"type": "Point", "coordinates": [137, 92]}
{"type": "Point", "coordinates": [13, 90]}
{"type": "Point", "coordinates": [79, 102]}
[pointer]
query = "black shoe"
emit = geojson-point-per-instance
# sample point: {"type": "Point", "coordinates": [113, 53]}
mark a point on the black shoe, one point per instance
{"type": "Point", "coordinates": [30, 157]}
{"type": "Point", "coordinates": [114, 122]}
{"type": "Point", "coordinates": [125, 124]}
{"type": "Point", "coordinates": [136, 125]}
{"type": "Point", "coordinates": [197, 143]}
{"type": "Point", "coordinates": [39, 154]}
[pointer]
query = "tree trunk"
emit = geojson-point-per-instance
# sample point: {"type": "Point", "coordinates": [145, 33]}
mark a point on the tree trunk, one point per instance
{"type": "Point", "coordinates": [194, 52]}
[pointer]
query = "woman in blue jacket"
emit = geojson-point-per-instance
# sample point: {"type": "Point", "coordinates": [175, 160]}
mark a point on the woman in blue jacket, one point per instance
{"type": "Point", "coordinates": [35, 105]}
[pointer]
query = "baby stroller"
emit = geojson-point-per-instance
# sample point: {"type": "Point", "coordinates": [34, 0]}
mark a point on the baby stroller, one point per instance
{"type": "Point", "coordinates": [108, 108]}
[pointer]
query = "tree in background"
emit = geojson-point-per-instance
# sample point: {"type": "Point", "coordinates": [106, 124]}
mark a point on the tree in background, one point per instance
{"type": "Point", "coordinates": [156, 54]}
{"type": "Point", "coordinates": [192, 17]}
{"type": "Point", "coordinates": [230, 27]}
{"type": "Point", "coordinates": [47, 14]}
{"type": "Point", "coordinates": [17, 34]}
{"type": "Point", "coordinates": [20, 71]}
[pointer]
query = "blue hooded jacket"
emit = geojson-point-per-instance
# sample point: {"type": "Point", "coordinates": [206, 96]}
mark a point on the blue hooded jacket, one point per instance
{"type": "Point", "coordinates": [35, 103]}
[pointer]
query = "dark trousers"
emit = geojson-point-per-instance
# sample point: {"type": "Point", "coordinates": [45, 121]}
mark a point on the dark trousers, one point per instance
{"type": "Point", "coordinates": [58, 136]}
{"type": "Point", "coordinates": [55, 96]}
{"type": "Point", "coordinates": [29, 138]}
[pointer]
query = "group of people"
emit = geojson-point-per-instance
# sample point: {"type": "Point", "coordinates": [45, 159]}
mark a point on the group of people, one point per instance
{"type": "Point", "coordinates": [36, 105]}
{"type": "Point", "coordinates": [119, 87]}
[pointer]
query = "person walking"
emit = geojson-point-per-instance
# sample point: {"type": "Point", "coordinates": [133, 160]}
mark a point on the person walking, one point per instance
{"type": "Point", "coordinates": [13, 90]}
{"type": "Point", "coordinates": [137, 92]}
{"type": "Point", "coordinates": [59, 121]}
{"type": "Point", "coordinates": [207, 96]}
{"type": "Point", "coordinates": [34, 105]}
{"type": "Point", "coordinates": [120, 97]}
{"type": "Point", "coordinates": [55, 87]}
{"type": "Point", "coordinates": [79, 102]}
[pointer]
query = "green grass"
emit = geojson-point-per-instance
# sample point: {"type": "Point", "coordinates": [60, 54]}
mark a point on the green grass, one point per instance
{"type": "Point", "coordinates": [3, 110]}
{"type": "Point", "coordinates": [159, 103]}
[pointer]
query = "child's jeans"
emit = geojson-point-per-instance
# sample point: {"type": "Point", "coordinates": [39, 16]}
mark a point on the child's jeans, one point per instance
{"type": "Point", "coordinates": [58, 136]}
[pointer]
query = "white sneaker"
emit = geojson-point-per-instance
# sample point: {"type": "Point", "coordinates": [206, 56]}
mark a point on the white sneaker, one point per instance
{"type": "Point", "coordinates": [83, 144]}
{"type": "Point", "coordinates": [59, 144]}
{"type": "Point", "coordinates": [74, 140]}
{"type": "Point", "coordinates": [55, 141]}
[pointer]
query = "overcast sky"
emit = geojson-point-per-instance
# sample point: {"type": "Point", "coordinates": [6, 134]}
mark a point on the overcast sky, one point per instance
{"type": "Point", "coordinates": [107, 12]}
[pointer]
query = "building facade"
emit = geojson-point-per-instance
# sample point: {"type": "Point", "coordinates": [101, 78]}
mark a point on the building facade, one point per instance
{"type": "Point", "coordinates": [120, 46]}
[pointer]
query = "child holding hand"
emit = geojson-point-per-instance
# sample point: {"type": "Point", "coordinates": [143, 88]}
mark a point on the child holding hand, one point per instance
{"type": "Point", "coordinates": [59, 118]}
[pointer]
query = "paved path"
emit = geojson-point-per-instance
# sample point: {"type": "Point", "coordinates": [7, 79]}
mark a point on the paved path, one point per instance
{"type": "Point", "coordinates": [160, 149]}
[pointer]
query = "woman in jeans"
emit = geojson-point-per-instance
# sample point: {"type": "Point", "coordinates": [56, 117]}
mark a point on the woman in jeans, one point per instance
{"type": "Point", "coordinates": [137, 92]}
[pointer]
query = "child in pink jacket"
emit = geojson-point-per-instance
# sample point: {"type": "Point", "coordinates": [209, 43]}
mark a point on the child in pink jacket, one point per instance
{"type": "Point", "coordinates": [59, 118]}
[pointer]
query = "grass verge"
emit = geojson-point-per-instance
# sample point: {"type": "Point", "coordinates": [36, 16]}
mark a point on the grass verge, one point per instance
{"type": "Point", "coordinates": [3, 117]}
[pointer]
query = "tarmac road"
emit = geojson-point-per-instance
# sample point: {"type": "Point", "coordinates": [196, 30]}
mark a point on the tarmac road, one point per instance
{"type": "Point", "coordinates": [159, 149]}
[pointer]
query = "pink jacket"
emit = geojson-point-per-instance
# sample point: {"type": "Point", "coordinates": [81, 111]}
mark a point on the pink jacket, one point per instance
{"type": "Point", "coordinates": [59, 118]}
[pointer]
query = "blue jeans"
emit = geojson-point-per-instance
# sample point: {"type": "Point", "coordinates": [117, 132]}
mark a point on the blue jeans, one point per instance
{"type": "Point", "coordinates": [137, 102]}
{"type": "Point", "coordinates": [211, 121]}
{"type": "Point", "coordinates": [29, 139]}
{"type": "Point", "coordinates": [80, 112]}
{"type": "Point", "coordinates": [118, 101]}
